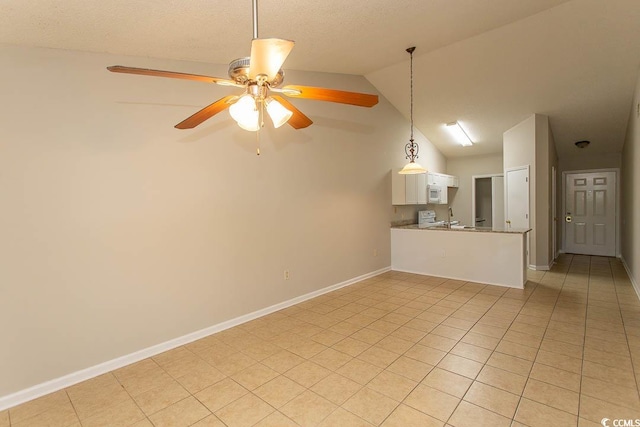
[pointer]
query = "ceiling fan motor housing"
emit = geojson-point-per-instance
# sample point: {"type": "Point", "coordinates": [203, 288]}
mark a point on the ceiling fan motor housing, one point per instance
{"type": "Point", "coordinates": [239, 72]}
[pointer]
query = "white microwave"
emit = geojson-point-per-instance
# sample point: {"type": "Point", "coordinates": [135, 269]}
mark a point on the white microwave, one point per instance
{"type": "Point", "coordinates": [436, 194]}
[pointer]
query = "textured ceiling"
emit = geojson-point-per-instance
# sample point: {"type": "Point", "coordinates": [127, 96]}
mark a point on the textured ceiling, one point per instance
{"type": "Point", "coordinates": [487, 63]}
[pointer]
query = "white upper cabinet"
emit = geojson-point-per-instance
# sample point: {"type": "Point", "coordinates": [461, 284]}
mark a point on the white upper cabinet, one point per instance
{"type": "Point", "coordinates": [408, 189]}
{"type": "Point", "coordinates": [412, 189]}
{"type": "Point", "coordinates": [442, 180]}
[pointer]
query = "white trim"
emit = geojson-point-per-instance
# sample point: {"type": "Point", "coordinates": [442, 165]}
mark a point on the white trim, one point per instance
{"type": "Point", "coordinates": [56, 384]}
{"type": "Point", "coordinates": [541, 267]}
{"type": "Point", "coordinates": [636, 286]}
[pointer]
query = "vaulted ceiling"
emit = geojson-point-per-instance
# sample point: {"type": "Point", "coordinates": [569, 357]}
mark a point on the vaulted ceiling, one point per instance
{"type": "Point", "coordinates": [486, 63]}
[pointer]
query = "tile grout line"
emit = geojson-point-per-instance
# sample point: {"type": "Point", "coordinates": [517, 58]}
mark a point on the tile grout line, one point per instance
{"type": "Point", "coordinates": [584, 341]}
{"type": "Point", "coordinates": [492, 352]}
{"type": "Point", "coordinates": [633, 368]}
{"type": "Point", "coordinates": [532, 362]}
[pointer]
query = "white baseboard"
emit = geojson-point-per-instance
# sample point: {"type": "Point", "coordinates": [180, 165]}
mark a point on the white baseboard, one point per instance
{"type": "Point", "coordinates": [51, 386]}
{"type": "Point", "coordinates": [541, 267]}
{"type": "Point", "coordinates": [633, 281]}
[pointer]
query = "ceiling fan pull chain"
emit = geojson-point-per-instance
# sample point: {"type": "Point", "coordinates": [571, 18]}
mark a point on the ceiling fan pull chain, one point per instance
{"type": "Point", "coordinates": [258, 142]}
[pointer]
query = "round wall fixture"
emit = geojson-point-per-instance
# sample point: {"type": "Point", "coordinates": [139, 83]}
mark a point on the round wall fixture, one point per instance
{"type": "Point", "coordinates": [582, 144]}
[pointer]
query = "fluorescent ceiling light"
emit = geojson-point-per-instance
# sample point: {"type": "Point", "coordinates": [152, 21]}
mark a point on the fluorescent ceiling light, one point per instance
{"type": "Point", "coordinates": [459, 134]}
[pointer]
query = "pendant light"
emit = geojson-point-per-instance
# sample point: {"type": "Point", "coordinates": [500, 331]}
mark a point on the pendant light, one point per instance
{"type": "Point", "coordinates": [411, 149]}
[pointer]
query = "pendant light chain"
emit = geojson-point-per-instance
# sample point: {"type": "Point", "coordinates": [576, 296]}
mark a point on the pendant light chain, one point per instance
{"type": "Point", "coordinates": [410, 50]}
{"type": "Point", "coordinates": [411, 148]}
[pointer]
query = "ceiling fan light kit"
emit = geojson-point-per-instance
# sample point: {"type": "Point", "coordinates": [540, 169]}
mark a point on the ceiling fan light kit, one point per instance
{"type": "Point", "coordinates": [259, 74]}
{"type": "Point", "coordinates": [411, 148]}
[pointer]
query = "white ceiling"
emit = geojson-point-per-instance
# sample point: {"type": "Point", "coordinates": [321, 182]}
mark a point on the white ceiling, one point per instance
{"type": "Point", "coordinates": [487, 63]}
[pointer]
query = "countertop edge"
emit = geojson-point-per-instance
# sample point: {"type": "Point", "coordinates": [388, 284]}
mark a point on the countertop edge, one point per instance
{"type": "Point", "coordinates": [473, 230]}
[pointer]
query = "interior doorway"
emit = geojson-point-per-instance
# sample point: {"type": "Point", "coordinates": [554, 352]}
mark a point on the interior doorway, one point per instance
{"type": "Point", "coordinates": [487, 200]}
{"type": "Point", "coordinates": [590, 206]}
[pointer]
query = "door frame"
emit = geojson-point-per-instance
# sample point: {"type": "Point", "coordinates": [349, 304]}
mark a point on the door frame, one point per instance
{"type": "Point", "coordinates": [617, 203]}
{"type": "Point", "coordinates": [554, 211]}
{"type": "Point", "coordinates": [473, 193]}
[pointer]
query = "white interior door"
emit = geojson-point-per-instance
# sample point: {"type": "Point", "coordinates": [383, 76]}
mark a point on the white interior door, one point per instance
{"type": "Point", "coordinates": [517, 197]}
{"type": "Point", "coordinates": [590, 213]}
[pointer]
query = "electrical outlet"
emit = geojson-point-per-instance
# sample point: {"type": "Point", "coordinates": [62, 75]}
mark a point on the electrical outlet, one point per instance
{"type": "Point", "coordinates": [286, 275]}
{"type": "Point", "coordinates": [443, 254]}
{"type": "Point", "coordinates": [375, 252]}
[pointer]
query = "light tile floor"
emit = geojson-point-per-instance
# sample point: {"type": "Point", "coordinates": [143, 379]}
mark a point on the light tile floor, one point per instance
{"type": "Point", "coordinates": [395, 350]}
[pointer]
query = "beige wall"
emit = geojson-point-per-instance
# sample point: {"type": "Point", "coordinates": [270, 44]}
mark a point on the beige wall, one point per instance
{"type": "Point", "coordinates": [519, 149]}
{"type": "Point", "coordinates": [553, 216]}
{"type": "Point", "coordinates": [121, 232]}
{"type": "Point", "coordinates": [630, 198]}
{"type": "Point", "coordinates": [581, 159]}
{"type": "Point", "coordinates": [546, 159]}
{"type": "Point", "coordinates": [465, 168]}
{"type": "Point", "coordinates": [531, 143]}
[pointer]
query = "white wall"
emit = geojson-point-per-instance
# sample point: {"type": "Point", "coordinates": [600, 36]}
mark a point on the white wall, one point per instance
{"type": "Point", "coordinates": [465, 168]}
{"type": "Point", "coordinates": [120, 232]}
{"type": "Point", "coordinates": [630, 197]}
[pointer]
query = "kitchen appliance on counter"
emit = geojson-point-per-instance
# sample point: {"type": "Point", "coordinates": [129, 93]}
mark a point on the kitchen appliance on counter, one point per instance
{"type": "Point", "coordinates": [427, 219]}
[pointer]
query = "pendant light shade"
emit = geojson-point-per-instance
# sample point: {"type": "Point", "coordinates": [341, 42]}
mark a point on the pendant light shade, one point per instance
{"type": "Point", "coordinates": [279, 115]}
{"type": "Point", "coordinates": [411, 149]}
{"type": "Point", "coordinates": [245, 112]}
{"type": "Point", "coordinates": [412, 168]}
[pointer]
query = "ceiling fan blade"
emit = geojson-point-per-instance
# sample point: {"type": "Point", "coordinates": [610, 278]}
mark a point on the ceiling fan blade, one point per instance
{"type": "Point", "coordinates": [206, 113]}
{"type": "Point", "coordinates": [330, 95]}
{"type": "Point", "coordinates": [298, 120]}
{"type": "Point", "coordinates": [171, 74]}
{"type": "Point", "coordinates": [267, 56]}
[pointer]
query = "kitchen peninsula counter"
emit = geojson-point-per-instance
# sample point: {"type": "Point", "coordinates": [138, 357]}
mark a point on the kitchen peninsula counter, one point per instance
{"type": "Point", "coordinates": [496, 256]}
{"type": "Point", "coordinates": [471, 229]}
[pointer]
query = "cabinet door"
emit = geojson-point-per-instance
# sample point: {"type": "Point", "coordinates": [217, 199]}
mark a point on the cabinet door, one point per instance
{"type": "Point", "coordinates": [421, 188]}
{"type": "Point", "coordinates": [411, 193]}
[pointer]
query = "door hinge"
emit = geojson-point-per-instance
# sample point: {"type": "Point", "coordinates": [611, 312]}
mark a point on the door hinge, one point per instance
{"type": "Point", "coordinates": [526, 179]}
{"type": "Point", "coordinates": [526, 216]}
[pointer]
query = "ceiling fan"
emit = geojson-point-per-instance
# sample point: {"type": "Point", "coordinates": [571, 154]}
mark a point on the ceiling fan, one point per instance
{"type": "Point", "coordinates": [260, 76]}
